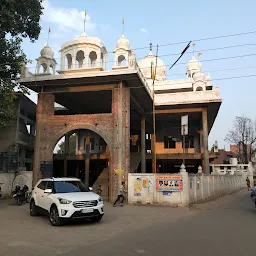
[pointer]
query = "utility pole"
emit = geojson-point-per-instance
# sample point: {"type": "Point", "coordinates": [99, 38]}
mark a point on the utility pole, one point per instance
{"type": "Point", "coordinates": [153, 74]}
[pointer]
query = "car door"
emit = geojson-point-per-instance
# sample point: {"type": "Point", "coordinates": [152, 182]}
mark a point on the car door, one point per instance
{"type": "Point", "coordinates": [47, 201]}
{"type": "Point", "coordinates": [39, 193]}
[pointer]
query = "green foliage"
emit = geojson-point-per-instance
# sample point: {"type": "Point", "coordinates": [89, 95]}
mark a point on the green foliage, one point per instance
{"type": "Point", "coordinates": [19, 19]}
{"type": "Point", "coordinates": [72, 146]}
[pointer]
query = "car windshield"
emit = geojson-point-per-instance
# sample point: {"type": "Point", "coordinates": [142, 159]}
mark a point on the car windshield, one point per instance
{"type": "Point", "coordinates": [70, 186]}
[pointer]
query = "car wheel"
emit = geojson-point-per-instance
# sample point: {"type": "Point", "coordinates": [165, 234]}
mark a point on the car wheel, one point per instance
{"type": "Point", "coordinates": [33, 209]}
{"type": "Point", "coordinates": [55, 219]}
{"type": "Point", "coordinates": [97, 218]}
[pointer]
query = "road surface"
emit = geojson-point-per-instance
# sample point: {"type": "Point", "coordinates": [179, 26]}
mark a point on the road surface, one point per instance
{"type": "Point", "coordinates": [222, 227]}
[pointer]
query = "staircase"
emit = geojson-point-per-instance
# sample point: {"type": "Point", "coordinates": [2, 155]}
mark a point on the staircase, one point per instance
{"type": "Point", "coordinates": [103, 181]}
{"type": "Point", "coordinates": [135, 158]}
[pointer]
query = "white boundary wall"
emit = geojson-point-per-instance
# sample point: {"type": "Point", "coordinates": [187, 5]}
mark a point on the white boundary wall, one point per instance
{"type": "Point", "coordinates": [8, 181]}
{"type": "Point", "coordinates": [196, 188]}
{"type": "Point", "coordinates": [204, 187]}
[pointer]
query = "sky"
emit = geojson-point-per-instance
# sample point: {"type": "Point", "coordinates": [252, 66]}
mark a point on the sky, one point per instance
{"type": "Point", "coordinates": [167, 22]}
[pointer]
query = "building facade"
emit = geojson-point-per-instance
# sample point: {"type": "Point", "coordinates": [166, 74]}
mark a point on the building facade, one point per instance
{"type": "Point", "coordinates": [18, 139]}
{"type": "Point", "coordinates": [110, 112]}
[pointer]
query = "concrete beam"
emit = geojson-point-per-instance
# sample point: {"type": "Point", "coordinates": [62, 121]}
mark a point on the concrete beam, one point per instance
{"type": "Point", "coordinates": [182, 110]}
{"type": "Point", "coordinates": [105, 87]}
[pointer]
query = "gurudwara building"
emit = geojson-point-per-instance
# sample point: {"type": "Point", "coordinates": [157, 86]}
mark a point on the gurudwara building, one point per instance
{"type": "Point", "coordinates": [110, 113]}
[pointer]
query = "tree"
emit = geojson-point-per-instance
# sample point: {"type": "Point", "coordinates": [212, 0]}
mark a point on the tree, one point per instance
{"type": "Point", "coordinates": [19, 19]}
{"type": "Point", "coordinates": [72, 146]}
{"type": "Point", "coordinates": [243, 135]}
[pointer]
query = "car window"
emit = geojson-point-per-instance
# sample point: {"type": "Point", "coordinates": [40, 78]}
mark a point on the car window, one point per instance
{"type": "Point", "coordinates": [42, 185]}
{"type": "Point", "coordinates": [70, 186]}
{"type": "Point", "coordinates": [49, 185]}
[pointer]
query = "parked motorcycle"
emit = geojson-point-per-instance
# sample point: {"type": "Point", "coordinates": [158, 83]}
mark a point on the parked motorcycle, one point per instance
{"type": "Point", "coordinates": [21, 195]}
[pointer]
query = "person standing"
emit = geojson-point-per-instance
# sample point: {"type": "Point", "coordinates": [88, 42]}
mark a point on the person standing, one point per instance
{"type": "Point", "coordinates": [120, 195]}
{"type": "Point", "coordinates": [99, 190]}
{"type": "Point", "coordinates": [248, 183]}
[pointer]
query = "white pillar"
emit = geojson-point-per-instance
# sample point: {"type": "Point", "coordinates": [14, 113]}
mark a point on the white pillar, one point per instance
{"type": "Point", "coordinates": [185, 187]}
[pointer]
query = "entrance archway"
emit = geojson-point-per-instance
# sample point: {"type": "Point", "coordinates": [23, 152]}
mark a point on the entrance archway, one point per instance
{"type": "Point", "coordinates": [84, 154]}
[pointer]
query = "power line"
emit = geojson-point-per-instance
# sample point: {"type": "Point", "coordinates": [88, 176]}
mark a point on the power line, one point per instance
{"type": "Point", "coordinates": [182, 63]}
{"type": "Point", "coordinates": [164, 55]}
{"type": "Point", "coordinates": [203, 39]}
{"type": "Point", "coordinates": [217, 70]}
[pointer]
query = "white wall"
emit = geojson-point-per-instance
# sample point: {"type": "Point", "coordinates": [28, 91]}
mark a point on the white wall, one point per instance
{"type": "Point", "coordinates": [195, 188]}
{"type": "Point", "coordinates": [138, 193]}
{"type": "Point", "coordinates": [8, 181]}
{"type": "Point", "coordinates": [204, 187]}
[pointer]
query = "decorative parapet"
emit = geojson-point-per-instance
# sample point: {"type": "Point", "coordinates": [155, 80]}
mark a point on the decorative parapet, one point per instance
{"type": "Point", "coordinates": [143, 79]}
{"type": "Point", "coordinates": [187, 97]}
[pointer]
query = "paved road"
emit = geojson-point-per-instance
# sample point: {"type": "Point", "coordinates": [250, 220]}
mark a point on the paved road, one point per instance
{"type": "Point", "coordinates": [222, 227]}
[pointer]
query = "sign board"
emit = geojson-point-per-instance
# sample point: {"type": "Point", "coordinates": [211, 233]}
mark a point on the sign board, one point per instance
{"type": "Point", "coordinates": [168, 182]}
{"type": "Point", "coordinates": [184, 125]}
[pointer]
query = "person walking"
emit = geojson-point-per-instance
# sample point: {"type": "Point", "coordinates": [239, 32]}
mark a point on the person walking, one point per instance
{"type": "Point", "coordinates": [248, 183]}
{"type": "Point", "coordinates": [120, 195]}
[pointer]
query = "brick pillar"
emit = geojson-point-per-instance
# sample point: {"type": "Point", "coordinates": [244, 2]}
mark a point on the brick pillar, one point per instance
{"type": "Point", "coordinates": [205, 141]}
{"type": "Point", "coordinates": [42, 152]}
{"type": "Point", "coordinates": [143, 144]}
{"type": "Point", "coordinates": [121, 138]}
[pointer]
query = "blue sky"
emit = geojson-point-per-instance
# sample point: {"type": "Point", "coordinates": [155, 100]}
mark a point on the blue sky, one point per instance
{"type": "Point", "coordinates": [166, 22]}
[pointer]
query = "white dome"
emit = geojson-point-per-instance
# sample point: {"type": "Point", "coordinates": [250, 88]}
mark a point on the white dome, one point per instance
{"type": "Point", "coordinates": [123, 43]}
{"type": "Point", "coordinates": [198, 76]}
{"type": "Point", "coordinates": [47, 52]}
{"type": "Point", "coordinates": [146, 63]}
{"type": "Point", "coordinates": [194, 66]}
{"type": "Point", "coordinates": [83, 39]}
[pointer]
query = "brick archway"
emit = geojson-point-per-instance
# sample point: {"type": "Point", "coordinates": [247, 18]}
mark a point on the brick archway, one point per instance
{"type": "Point", "coordinates": [59, 134]}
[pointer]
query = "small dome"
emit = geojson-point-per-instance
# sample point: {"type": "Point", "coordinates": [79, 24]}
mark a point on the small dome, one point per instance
{"type": "Point", "coordinates": [82, 40]}
{"type": "Point", "coordinates": [198, 76]}
{"type": "Point", "coordinates": [123, 42]}
{"type": "Point", "coordinates": [194, 65]}
{"type": "Point", "coordinates": [47, 52]}
{"type": "Point", "coordinates": [146, 63]}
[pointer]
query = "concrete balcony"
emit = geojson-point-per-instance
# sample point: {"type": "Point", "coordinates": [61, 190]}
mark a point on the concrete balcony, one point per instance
{"type": "Point", "coordinates": [187, 97]}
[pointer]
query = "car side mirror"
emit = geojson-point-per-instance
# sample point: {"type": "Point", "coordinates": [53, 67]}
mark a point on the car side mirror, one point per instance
{"type": "Point", "coordinates": [48, 191]}
{"type": "Point", "coordinates": [90, 188]}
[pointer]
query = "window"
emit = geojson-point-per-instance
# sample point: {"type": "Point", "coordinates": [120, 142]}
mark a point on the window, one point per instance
{"type": "Point", "coordinates": [80, 58]}
{"type": "Point", "coordinates": [92, 142]}
{"type": "Point", "coordinates": [189, 141]}
{"type": "Point", "coordinates": [70, 186]}
{"type": "Point", "coordinates": [199, 88]}
{"type": "Point", "coordinates": [93, 58]}
{"type": "Point", "coordinates": [169, 142]}
{"type": "Point", "coordinates": [69, 61]}
{"type": "Point", "coordinates": [42, 185]}
{"type": "Point", "coordinates": [49, 185]}
{"type": "Point", "coordinates": [121, 60]}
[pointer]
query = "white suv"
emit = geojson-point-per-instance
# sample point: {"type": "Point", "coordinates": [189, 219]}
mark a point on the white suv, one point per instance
{"type": "Point", "coordinates": [65, 199]}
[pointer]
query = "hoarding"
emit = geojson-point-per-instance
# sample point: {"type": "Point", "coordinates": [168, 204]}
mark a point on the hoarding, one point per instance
{"type": "Point", "coordinates": [168, 182]}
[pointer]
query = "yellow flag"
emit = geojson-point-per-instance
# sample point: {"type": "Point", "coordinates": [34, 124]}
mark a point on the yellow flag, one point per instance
{"type": "Point", "coordinates": [123, 20]}
{"type": "Point", "coordinates": [85, 13]}
{"type": "Point", "coordinates": [153, 75]}
{"type": "Point", "coordinates": [193, 45]}
{"type": "Point", "coordinates": [199, 54]}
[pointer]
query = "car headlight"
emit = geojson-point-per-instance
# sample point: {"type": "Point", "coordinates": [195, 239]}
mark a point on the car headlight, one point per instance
{"type": "Point", "coordinates": [100, 199]}
{"type": "Point", "coordinates": [64, 201]}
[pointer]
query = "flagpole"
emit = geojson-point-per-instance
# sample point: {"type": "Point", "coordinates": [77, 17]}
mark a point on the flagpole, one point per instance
{"type": "Point", "coordinates": [123, 25]}
{"type": "Point", "coordinates": [85, 13]}
{"type": "Point", "coordinates": [49, 30]}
